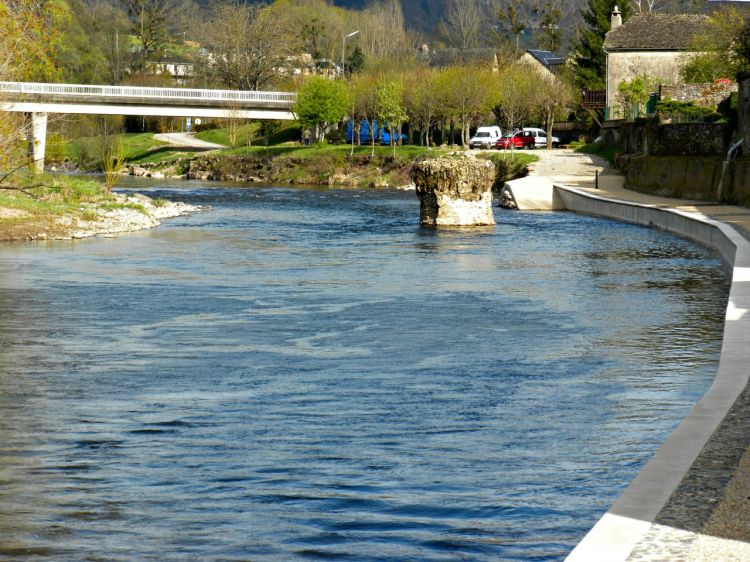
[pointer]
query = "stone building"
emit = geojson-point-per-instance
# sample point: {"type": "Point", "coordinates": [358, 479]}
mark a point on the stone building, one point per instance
{"type": "Point", "coordinates": [657, 45]}
{"type": "Point", "coordinates": [545, 63]}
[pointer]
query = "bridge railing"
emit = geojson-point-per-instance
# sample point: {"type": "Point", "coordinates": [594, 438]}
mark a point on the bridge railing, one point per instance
{"type": "Point", "coordinates": [32, 88]}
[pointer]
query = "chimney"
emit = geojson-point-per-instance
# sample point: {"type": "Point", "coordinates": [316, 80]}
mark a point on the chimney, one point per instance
{"type": "Point", "coordinates": [616, 19]}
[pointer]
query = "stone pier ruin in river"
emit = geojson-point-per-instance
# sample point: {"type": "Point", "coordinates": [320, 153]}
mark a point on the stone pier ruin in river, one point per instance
{"type": "Point", "coordinates": [455, 192]}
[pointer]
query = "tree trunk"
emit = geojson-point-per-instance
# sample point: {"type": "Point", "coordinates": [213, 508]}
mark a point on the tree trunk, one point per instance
{"type": "Point", "coordinates": [372, 137]}
{"type": "Point", "coordinates": [550, 122]}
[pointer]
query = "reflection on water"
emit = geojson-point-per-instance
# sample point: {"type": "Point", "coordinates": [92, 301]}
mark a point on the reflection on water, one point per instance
{"type": "Point", "coordinates": [305, 374]}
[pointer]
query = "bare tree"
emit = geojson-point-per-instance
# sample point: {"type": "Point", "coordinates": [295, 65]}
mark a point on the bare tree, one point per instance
{"type": "Point", "coordinates": [558, 21]}
{"type": "Point", "coordinates": [514, 16]}
{"type": "Point", "coordinates": [641, 6]}
{"type": "Point", "coordinates": [382, 29]}
{"type": "Point", "coordinates": [462, 22]}
{"type": "Point", "coordinates": [248, 46]}
{"type": "Point", "coordinates": [150, 23]}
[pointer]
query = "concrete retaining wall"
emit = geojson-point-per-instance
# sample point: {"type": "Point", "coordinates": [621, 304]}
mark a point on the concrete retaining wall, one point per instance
{"type": "Point", "coordinates": [674, 176]}
{"type": "Point", "coordinates": [630, 517]}
{"type": "Point", "coordinates": [688, 178]}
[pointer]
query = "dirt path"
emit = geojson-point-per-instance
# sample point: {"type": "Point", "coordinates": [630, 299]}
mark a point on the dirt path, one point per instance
{"type": "Point", "coordinates": [186, 140]}
{"type": "Point", "coordinates": [565, 163]}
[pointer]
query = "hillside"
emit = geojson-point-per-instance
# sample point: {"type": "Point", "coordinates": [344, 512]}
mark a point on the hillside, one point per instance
{"type": "Point", "coordinates": [424, 15]}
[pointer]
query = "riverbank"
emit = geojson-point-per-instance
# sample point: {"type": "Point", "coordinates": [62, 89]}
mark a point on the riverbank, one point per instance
{"type": "Point", "coordinates": [327, 165]}
{"type": "Point", "coordinates": [61, 208]}
{"type": "Point", "coordinates": [689, 502]}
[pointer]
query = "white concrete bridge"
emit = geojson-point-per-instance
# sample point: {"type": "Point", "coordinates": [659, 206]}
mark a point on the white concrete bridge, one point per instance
{"type": "Point", "coordinates": [39, 99]}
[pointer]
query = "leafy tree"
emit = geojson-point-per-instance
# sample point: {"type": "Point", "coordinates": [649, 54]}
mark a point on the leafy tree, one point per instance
{"type": "Point", "coordinates": [552, 100]}
{"type": "Point", "coordinates": [423, 104]}
{"type": "Point", "coordinates": [321, 102]}
{"type": "Point", "coordinates": [516, 87]}
{"type": "Point", "coordinates": [390, 108]}
{"type": "Point", "coordinates": [31, 32]}
{"type": "Point", "coordinates": [467, 94]}
{"type": "Point", "coordinates": [80, 57]}
{"type": "Point", "coordinates": [355, 62]}
{"type": "Point", "coordinates": [633, 94]}
{"type": "Point", "coordinates": [590, 61]}
{"type": "Point", "coordinates": [720, 52]}
{"type": "Point", "coordinates": [742, 47]}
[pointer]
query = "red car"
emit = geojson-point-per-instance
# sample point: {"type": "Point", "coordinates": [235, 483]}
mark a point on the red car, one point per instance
{"type": "Point", "coordinates": [519, 139]}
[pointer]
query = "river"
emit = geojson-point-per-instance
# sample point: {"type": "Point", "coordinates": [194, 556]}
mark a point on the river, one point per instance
{"type": "Point", "coordinates": [303, 374]}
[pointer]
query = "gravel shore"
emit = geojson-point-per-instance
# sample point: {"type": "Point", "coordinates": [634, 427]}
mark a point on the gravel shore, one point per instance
{"type": "Point", "coordinates": [129, 214]}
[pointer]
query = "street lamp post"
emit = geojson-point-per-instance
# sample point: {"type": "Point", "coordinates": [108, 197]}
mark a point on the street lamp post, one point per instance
{"type": "Point", "coordinates": [343, 51]}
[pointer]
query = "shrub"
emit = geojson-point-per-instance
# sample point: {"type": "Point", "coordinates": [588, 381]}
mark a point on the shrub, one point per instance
{"type": "Point", "coordinates": [686, 111]}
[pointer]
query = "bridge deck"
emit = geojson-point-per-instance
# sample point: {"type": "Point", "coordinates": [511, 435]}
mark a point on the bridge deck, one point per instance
{"type": "Point", "coordinates": [30, 97]}
{"type": "Point", "coordinates": [75, 93]}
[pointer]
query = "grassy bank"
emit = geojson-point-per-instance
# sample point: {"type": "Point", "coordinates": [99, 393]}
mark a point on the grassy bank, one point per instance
{"type": "Point", "coordinates": [335, 164]}
{"type": "Point", "coordinates": [277, 159]}
{"type": "Point", "coordinates": [30, 205]}
{"type": "Point", "coordinates": [609, 153]}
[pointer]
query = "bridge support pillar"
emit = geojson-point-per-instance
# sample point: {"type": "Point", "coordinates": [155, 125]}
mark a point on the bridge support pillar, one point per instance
{"type": "Point", "coordinates": [38, 140]}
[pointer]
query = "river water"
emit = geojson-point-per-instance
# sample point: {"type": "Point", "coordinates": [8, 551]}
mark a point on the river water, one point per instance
{"type": "Point", "coordinates": [302, 374]}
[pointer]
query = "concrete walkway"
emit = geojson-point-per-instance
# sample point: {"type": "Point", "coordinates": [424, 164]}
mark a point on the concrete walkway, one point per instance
{"type": "Point", "coordinates": [707, 518]}
{"type": "Point", "coordinates": [186, 140]}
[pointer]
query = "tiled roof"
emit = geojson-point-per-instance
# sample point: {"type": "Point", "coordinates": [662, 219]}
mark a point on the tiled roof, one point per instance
{"type": "Point", "coordinates": [656, 32]}
{"type": "Point", "coordinates": [547, 58]}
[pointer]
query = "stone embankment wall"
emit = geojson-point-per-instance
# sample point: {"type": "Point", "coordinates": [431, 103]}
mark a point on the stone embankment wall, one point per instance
{"type": "Point", "coordinates": [686, 160]}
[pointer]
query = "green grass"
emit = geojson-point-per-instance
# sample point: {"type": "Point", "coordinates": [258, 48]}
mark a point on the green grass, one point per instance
{"type": "Point", "coordinates": [408, 152]}
{"type": "Point", "coordinates": [136, 146]}
{"type": "Point", "coordinates": [250, 134]}
{"type": "Point", "coordinates": [113, 206]}
{"type": "Point", "coordinates": [609, 153]}
{"type": "Point", "coordinates": [52, 194]}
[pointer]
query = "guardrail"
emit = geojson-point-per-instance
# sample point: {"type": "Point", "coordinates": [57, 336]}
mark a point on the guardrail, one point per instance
{"type": "Point", "coordinates": [183, 94]}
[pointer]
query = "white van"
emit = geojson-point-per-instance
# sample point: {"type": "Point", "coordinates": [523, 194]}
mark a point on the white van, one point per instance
{"type": "Point", "coordinates": [485, 137]}
{"type": "Point", "coordinates": [540, 138]}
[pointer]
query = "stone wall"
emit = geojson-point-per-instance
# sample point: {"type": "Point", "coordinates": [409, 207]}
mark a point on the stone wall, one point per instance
{"type": "Point", "coordinates": [708, 95]}
{"type": "Point", "coordinates": [743, 114]}
{"type": "Point", "coordinates": [646, 136]}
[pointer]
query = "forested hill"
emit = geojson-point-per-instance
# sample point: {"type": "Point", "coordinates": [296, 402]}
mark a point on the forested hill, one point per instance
{"type": "Point", "coordinates": [425, 15]}
{"type": "Point", "coordinates": [422, 15]}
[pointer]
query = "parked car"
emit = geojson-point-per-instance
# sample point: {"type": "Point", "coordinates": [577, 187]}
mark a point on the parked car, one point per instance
{"type": "Point", "coordinates": [485, 137]}
{"type": "Point", "coordinates": [540, 137]}
{"type": "Point", "coordinates": [519, 139]}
